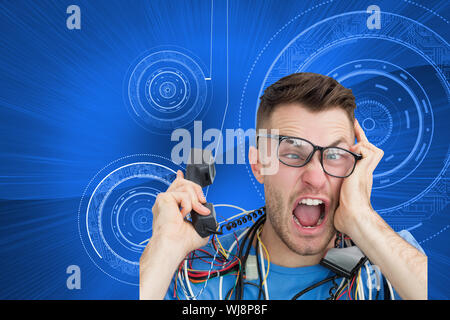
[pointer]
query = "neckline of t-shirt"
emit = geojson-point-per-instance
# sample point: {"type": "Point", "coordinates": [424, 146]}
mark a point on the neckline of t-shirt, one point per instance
{"type": "Point", "coordinates": [317, 268]}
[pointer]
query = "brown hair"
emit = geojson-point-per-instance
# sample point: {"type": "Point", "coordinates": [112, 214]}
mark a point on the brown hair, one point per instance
{"type": "Point", "coordinates": [314, 91]}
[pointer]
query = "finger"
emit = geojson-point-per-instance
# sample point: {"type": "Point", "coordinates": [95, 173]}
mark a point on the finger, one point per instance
{"type": "Point", "coordinates": [371, 152]}
{"type": "Point", "coordinates": [166, 203]}
{"type": "Point", "coordinates": [359, 133]}
{"type": "Point", "coordinates": [371, 155]}
{"type": "Point", "coordinates": [183, 201]}
{"type": "Point", "coordinates": [200, 208]}
{"type": "Point", "coordinates": [177, 182]}
{"type": "Point", "coordinates": [192, 202]}
{"type": "Point", "coordinates": [196, 199]}
{"type": "Point", "coordinates": [199, 192]}
{"type": "Point", "coordinates": [173, 201]}
{"type": "Point", "coordinates": [188, 186]}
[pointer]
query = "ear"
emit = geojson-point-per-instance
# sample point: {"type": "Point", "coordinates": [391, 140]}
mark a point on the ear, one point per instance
{"type": "Point", "coordinates": [255, 164]}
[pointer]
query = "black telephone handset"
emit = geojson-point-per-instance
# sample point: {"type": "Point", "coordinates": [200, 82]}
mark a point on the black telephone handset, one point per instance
{"type": "Point", "coordinates": [203, 173]}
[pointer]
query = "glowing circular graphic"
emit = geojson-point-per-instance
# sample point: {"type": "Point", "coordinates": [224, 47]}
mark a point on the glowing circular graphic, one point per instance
{"type": "Point", "coordinates": [412, 116]}
{"type": "Point", "coordinates": [166, 89]}
{"type": "Point", "coordinates": [401, 98]}
{"type": "Point", "coordinates": [115, 216]}
{"type": "Point", "coordinates": [376, 120]}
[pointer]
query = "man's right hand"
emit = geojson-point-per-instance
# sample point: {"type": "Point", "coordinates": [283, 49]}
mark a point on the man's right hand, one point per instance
{"type": "Point", "coordinates": [173, 237]}
{"type": "Point", "coordinates": [168, 218]}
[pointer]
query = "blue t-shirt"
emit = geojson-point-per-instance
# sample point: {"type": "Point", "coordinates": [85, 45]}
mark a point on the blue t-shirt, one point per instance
{"type": "Point", "coordinates": [283, 283]}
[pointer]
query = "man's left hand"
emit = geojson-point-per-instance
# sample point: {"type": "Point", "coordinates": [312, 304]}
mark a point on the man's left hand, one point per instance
{"type": "Point", "coordinates": [354, 202]}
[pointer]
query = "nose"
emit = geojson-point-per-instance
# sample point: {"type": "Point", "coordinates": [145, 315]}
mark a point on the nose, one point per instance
{"type": "Point", "coordinates": [313, 174]}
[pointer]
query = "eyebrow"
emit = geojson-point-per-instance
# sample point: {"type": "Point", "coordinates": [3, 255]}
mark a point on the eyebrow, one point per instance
{"type": "Point", "coordinates": [333, 144]}
{"type": "Point", "coordinates": [336, 142]}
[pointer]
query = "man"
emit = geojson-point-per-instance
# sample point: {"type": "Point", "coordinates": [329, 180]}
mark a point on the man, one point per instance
{"type": "Point", "coordinates": [322, 185]}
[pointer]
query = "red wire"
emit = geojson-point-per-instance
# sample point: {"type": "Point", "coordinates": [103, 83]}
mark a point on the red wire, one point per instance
{"type": "Point", "coordinates": [208, 262]}
{"type": "Point", "coordinates": [204, 273]}
{"type": "Point", "coordinates": [350, 288]}
{"type": "Point", "coordinates": [343, 292]}
{"type": "Point", "coordinates": [195, 274]}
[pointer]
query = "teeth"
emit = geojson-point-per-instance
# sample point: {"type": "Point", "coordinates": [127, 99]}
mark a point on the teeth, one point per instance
{"type": "Point", "coordinates": [311, 202]}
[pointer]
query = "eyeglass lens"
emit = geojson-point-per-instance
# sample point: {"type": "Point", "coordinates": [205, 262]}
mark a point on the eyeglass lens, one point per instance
{"type": "Point", "coordinates": [295, 152]}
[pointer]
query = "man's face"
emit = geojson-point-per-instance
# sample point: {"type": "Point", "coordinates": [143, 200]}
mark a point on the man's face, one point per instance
{"type": "Point", "coordinates": [305, 228]}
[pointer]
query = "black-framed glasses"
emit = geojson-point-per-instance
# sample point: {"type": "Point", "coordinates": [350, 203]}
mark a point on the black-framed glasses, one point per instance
{"type": "Point", "coordinates": [297, 152]}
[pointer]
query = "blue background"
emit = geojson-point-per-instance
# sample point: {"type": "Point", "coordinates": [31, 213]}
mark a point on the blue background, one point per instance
{"type": "Point", "coordinates": [67, 119]}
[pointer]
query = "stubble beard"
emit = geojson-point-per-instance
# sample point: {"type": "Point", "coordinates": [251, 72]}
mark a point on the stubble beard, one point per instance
{"type": "Point", "coordinates": [279, 215]}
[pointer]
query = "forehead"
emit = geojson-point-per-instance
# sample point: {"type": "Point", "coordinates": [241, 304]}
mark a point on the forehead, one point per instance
{"type": "Point", "coordinates": [320, 127]}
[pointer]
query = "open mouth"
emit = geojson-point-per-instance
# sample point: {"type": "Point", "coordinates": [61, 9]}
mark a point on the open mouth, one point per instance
{"type": "Point", "coordinates": [309, 213]}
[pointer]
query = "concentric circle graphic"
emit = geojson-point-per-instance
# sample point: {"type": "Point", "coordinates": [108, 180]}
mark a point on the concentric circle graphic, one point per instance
{"type": "Point", "coordinates": [376, 120]}
{"type": "Point", "coordinates": [409, 105]}
{"type": "Point", "coordinates": [396, 74]}
{"type": "Point", "coordinates": [115, 216]}
{"type": "Point", "coordinates": [166, 89]}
